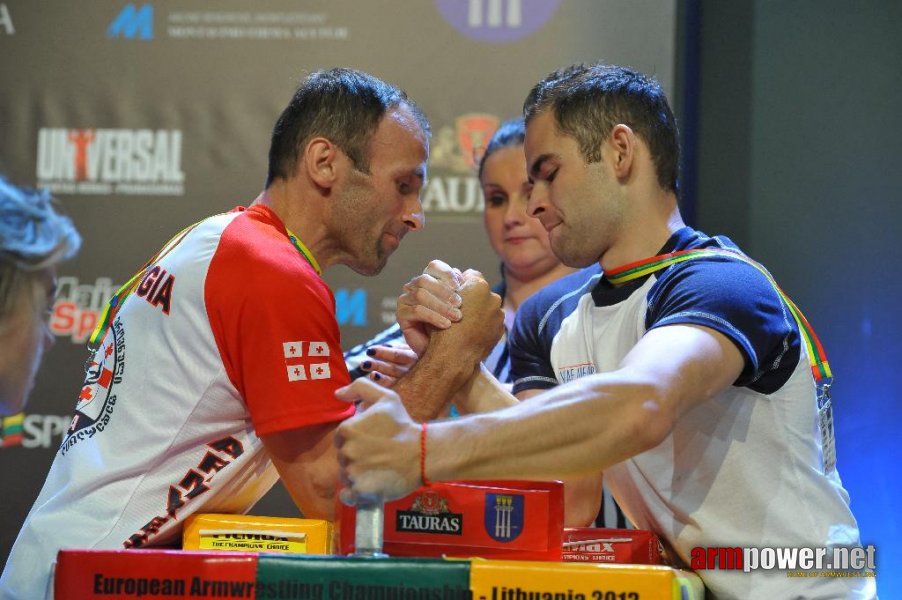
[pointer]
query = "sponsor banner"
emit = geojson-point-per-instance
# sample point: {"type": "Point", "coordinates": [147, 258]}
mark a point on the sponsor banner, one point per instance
{"type": "Point", "coordinates": [497, 21]}
{"type": "Point", "coordinates": [606, 545]}
{"type": "Point", "coordinates": [256, 533]}
{"type": "Point", "coordinates": [171, 574]}
{"type": "Point", "coordinates": [33, 430]}
{"type": "Point", "coordinates": [312, 577]}
{"type": "Point", "coordinates": [100, 162]}
{"type": "Point", "coordinates": [137, 21]}
{"type": "Point", "coordinates": [525, 580]}
{"type": "Point", "coordinates": [509, 519]}
{"type": "Point", "coordinates": [452, 192]}
{"type": "Point", "coordinates": [78, 307]}
{"type": "Point", "coordinates": [350, 307]}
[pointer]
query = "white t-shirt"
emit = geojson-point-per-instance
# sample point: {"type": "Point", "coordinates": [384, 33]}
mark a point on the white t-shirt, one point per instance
{"type": "Point", "coordinates": [230, 334]}
{"type": "Point", "coordinates": [744, 469]}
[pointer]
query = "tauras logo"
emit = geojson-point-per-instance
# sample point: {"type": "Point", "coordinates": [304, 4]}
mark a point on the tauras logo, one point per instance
{"type": "Point", "coordinates": [413, 522]}
{"type": "Point", "coordinates": [106, 161]}
{"type": "Point", "coordinates": [429, 513]}
{"type": "Point", "coordinates": [453, 195]}
{"type": "Point", "coordinates": [453, 190]}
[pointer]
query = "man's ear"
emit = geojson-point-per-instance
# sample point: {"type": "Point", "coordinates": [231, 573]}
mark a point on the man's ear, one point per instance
{"type": "Point", "coordinates": [623, 145]}
{"type": "Point", "coordinates": [320, 161]}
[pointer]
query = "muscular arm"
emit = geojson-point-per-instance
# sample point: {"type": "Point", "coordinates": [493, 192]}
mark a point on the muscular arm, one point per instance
{"type": "Point", "coordinates": [594, 422]}
{"type": "Point", "coordinates": [307, 462]}
{"type": "Point", "coordinates": [582, 495]}
{"type": "Point", "coordinates": [575, 430]}
{"type": "Point", "coordinates": [452, 358]}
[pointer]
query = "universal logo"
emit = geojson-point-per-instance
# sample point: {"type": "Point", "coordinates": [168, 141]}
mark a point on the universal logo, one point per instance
{"type": "Point", "coordinates": [111, 161]}
{"type": "Point", "coordinates": [429, 513]}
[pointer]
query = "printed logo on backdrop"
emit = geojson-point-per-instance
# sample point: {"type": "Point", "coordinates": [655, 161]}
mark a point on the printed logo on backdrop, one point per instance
{"type": "Point", "coordinates": [255, 25]}
{"type": "Point", "coordinates": [504, 516]}
{"type": "Point", "coordinates": [133, 23]}
{"type": "Point", "coordinates": [111, 161]}
{"type": "Point", "coordinates": [78, 306]}
{"type": "Point", "coordinates": [6, 21]}
{"type": "Point", "coordinates": [97, 399]}
{"type": "Point", "coordinates": [452, 190]}
{"type": "Point", "coordinates": [497, 21]}
{"type": "Point", "coordinates": [33, 431]}
{"type": "Point", "coordinates": [136, 22]}
{"type": "Point", "coordinates": [389, 307]}
{"type": "Point", "coordinates": [350, 307]}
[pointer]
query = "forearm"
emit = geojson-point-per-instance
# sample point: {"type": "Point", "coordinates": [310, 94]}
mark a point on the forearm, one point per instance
{"type": "Point", "coordinates": [307, 462]}
{"type": "Point", "coordinates": [483, 393]}
{"type": "Point", "coordinates": [428, 388]}
{"type": "Point", "coordinates": [575, 430]}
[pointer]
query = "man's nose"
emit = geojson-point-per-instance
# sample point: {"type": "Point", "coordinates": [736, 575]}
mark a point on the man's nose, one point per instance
{"type": "Point", "coordinates": [414, 217]}
{"type": "Point", "coordinates": [538, 199]}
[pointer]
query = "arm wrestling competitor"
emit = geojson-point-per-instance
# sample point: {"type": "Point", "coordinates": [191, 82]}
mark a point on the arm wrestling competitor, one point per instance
{"type": "Point", "coordinates": [216, 365]}
{"type": "Point", "coordinates": [681, 370]}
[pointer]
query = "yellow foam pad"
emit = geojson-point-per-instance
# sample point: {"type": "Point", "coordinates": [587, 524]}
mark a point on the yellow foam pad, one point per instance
{"type": "Point", "coordinates": [257, 534]}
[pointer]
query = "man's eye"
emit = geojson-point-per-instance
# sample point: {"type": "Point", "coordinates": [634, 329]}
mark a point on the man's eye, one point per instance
{"type": "Point", "coordinates": [550, 177]}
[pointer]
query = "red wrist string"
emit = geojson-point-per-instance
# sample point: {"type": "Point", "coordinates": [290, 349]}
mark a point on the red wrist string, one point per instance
{"type": "Point", "coordinates": [423, 454]}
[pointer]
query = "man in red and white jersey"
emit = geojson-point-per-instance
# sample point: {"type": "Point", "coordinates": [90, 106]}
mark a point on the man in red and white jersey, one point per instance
{"type": "Point", "coordinates": [217, 364]}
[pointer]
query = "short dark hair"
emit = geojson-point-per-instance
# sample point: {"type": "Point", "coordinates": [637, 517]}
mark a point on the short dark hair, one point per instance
{"type": "Point", "coordinates": [589, 100]}
{"type": "Point", "coordinates": [510, 133]}
{"type": "Point", "coordinates": [342, 105]}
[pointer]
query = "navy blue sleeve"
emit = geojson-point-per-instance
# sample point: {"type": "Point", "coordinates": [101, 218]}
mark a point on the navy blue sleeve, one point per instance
{"type": "Point", "coordinates": [537, 323]}
{"type": "Point", "coordinates": [530, 351]}
{"type": "Point", "coordinates": [737, 300]}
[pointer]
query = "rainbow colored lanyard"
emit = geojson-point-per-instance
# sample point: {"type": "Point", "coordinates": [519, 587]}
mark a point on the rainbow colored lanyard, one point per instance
{"type": "Point", "coordinates": [112, 308]}
{"type": "Point", "coordinates": [820, 368]}
{"type": "Point", "coordinates": [305, 252]}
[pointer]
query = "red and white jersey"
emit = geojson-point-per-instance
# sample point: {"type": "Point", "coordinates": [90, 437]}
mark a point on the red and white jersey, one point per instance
{"type": "Point", "coordinates": [231, 334]}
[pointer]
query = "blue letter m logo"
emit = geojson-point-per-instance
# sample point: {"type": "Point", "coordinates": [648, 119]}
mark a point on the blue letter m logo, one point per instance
{"type": "Point", "coordinates": [351, 307]}
{"type": "Point", "coordinates": [132, 23]}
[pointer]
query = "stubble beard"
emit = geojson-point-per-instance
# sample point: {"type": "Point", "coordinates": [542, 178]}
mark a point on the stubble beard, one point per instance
{"type": "Point", "coordinates": [571, 247]}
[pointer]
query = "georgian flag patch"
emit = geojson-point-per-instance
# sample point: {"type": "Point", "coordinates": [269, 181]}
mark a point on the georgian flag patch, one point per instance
{"type": "Point", "coordinates": [304, 360]}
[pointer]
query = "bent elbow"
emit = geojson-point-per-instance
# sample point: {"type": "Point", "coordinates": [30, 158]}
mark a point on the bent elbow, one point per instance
{"type": "Point", "coordinates": [654, 418]}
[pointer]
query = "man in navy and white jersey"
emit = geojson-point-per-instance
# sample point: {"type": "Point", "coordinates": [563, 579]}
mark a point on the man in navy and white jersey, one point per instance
{"type": "Point", "coordinates": [681, 372]}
